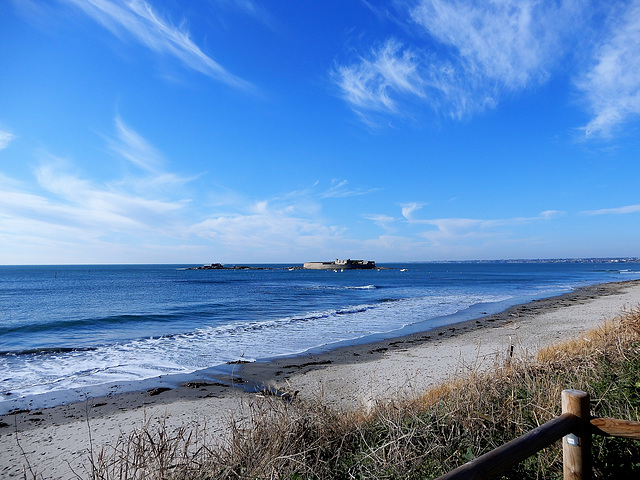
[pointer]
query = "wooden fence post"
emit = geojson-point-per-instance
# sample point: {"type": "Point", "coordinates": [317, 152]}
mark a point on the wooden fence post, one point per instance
{"type": "Point", "coordinates": [576, 447]}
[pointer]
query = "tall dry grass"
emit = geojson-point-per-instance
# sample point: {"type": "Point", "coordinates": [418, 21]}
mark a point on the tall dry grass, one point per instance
{"type": "Point", "coordinates": [422, 438]}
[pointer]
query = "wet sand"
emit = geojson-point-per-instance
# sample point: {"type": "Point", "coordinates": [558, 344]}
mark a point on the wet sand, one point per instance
{"type": "Point", "coordinates": [55, 442]}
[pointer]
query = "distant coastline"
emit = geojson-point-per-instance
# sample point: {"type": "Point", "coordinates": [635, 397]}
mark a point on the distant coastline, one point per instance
{"type": "Point", "coordinates": [335, 264]}
{"type": "Point", "coordinates": [546, 260]}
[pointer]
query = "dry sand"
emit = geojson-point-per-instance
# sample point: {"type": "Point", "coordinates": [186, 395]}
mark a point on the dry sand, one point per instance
{"type": "Point", "coordinates": [54, 442]}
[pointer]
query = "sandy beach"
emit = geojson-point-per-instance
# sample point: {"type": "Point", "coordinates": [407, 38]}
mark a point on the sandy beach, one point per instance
{"type": "Point", "coordinates": [54, 443]}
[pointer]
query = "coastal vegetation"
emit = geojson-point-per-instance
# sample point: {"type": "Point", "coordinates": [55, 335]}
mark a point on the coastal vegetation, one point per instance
{"type": "Point", "coordinates": [420, 438]}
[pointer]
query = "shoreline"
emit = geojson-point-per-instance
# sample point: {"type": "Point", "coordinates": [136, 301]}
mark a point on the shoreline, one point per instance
{"type": "Point", "coordinates": [273, 372]}
{"type": "Point", "coordinates": [305, 372]}
{"type": "Point", "coordinates": [350, 376]}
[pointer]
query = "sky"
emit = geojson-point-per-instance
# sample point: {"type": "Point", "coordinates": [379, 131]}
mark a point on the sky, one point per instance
{"type": "Point", "coordinates": [246, 131]}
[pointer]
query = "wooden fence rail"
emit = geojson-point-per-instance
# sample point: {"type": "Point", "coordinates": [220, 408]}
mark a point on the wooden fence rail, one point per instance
{"type": "Point", "coordinates": [575, 426]}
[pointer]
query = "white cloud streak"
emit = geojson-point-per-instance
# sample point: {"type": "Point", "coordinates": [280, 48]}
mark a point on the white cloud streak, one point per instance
{"type": "Point", "coordinates": [137, 150]}
{"type": "Point", "coordinates": [138, 20]}
{"type": "Point", "coordinates": [449, 232]}
{"type": "Point", "coordinates": [612, 85]}
{"type": "Point", "coordinates": [265, 228]}
{"type": "Point", "coordinates": [477, 52]}
{"type": "Point", "coordinates": [381, 219]}
{"type": "Point", "coordinates": [507, 41]}
{"type": "Point", "coordinates": [408, 209]}
{"type": "Point", "coordinates": [65, 213]}
{"type": "Point", "coordinates": [481, 50]}
{"type": "Point", "coordinates": [5, 139]}
{"type": "Point", "coordinates": [615, 211]}
{"type": "Point", "coordinates": [385, 222]}
{"type": "Point", "coordinates": [372, 83]}
{"type": "Point", "coordinates": [131, 146]}
{"type": "Point", "coordinates": [74, 214]}
{"type": "Point", "coordinates": [340, 189]}
{"type": "Point", "coordinates": [94, 206]}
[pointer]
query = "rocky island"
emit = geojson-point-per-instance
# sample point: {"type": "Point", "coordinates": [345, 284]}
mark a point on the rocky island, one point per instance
{"type": "Point", "coordinates": [219, 266]}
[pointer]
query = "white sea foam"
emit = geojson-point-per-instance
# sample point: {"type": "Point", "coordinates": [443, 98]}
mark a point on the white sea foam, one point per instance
{"type": "Point", "coordinates": [211, 346]}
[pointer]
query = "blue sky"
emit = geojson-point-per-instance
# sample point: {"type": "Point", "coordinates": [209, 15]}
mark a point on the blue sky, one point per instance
{"type": "Point", "coordinates": [287, 131]}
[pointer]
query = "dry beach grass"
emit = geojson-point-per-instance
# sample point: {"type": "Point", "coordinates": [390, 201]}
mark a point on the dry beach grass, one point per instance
{"type": "Point", "coordinates": [422, 438]}
{"type": "Point", "coordinates": [481, 398]}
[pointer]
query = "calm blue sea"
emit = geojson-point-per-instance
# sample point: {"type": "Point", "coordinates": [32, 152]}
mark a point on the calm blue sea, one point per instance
{"type": "Point", "coordinates": [74, 327]}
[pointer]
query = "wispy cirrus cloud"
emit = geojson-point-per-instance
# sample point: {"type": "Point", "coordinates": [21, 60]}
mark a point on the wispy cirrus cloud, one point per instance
{"type": "Point", "coordinates": [70, 219]}
{"type": "Point", "coordinates": [475, 52]}
{"type": "Point", "coordinates": [376, 81]}
{"type": "Point", "coordinates": [456, 227]}
{"type": "Point", "coordinates": [66, 212]}
{"type": "Point", "coordinates": [137, 19]}
{"type": "Point", "coordinates": [466, 237]}
{"type": "Point", "coordinates": [87, 203]}
{"type": "Point", "coordinates": [511, 42]}
{"type": "Point", "coordinates": [408, 209]}
{"type": "Point", "coordinates": [452, 231]}
{"type": "Point", "coordinates": [266, 227]}
{"type": "Point", "coordinates": [133, 147]}
{"type": "Point", "coordinates": [612, 85]}
{"type": "Point", "coordinates": [614, 211]}
{"type": "Point", "coordinates": [77, 213]}
{"type": "Point", "coordinates": [100, 222]}
{"type": "Point", "coordinates": [5, 139]}
{"type": "Point", "coordinates": [386, 222]}
{"type": "Point", "coordinates": [129, 145]}
{"type": "Point", "coordinates": [341, 189]}
{"type": "Point", "coordinates": [248, 7]}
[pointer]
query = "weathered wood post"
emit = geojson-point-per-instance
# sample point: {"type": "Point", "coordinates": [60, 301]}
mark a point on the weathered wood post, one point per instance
{"type": "Point", "coordinates": [576, 447]}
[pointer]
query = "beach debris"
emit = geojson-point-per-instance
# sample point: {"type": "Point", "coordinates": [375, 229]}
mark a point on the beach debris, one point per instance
{"type": "Point", "coordinates": [196, 384]}
{"type": "Point", "coordinates": [275, 392]}
{"type": "Point", "coordinates": [378, 350]}
{"type": "Point", "coordinates": [157, 391]}
{"type": "Point", "coordinates": [309, 364]}
{"type": "Point", "coordinates": [18, 411]}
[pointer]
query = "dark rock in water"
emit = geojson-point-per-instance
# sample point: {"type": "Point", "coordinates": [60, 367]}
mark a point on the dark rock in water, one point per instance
{"type": "Point", "coordinates": [213, 266]}
{"type": "Point", "coordinates": [219, 266]}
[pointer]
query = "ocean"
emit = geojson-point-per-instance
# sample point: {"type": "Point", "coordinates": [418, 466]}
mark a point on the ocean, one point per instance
{"type": "Point", "coordinates": [73, 328]}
